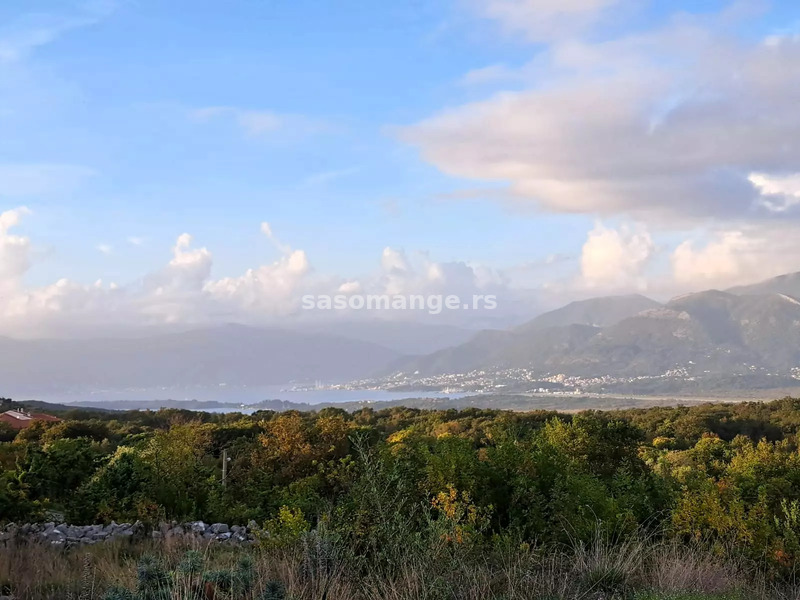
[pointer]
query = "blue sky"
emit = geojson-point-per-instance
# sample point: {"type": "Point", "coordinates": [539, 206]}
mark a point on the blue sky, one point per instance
{"type": "Point", "coordinates": [124, 124]}
{"type": "Point", "coordinates": [124, 88]}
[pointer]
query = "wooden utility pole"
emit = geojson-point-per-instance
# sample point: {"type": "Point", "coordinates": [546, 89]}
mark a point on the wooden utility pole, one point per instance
{"type": "Point", "coordinates": [224, 466]}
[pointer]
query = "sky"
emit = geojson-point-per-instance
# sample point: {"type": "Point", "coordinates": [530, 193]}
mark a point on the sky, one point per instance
{"type": "Point", "coordinates": [197, 162]}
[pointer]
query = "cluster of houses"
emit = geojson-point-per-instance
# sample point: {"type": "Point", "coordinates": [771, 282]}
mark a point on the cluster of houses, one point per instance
{"type": "Point", "coordinates": [20, 418]}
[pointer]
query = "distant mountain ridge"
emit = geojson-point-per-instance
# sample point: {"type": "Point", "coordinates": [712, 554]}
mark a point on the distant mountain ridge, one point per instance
{"type": "Point", "coordinates": [230, 354]}
{"type": "Point", "coordinates": [740, 332]}
{"type": "Point", "coordinates": [595, 312]}
{"type": "Point", "coordinates": [710, 332]}
{"type": "Point", "coordinates": [404, 337]}
{"type": "Point", "coordinates": [788, 285]}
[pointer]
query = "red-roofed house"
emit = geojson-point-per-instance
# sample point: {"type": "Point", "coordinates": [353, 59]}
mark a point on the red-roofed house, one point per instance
{"type": "Point", "coordinates": [20, 418]}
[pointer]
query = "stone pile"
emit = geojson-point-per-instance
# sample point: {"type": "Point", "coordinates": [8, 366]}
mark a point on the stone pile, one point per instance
{"type": "Point", "coordinates": [61, 534]}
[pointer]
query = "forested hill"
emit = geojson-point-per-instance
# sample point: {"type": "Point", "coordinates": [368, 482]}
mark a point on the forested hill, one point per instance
{"type": "Point", "coordinates": [710, 333]}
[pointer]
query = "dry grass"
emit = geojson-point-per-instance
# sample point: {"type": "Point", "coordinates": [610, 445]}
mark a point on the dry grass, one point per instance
{"type": "Point", "coordinates": [632, 569]}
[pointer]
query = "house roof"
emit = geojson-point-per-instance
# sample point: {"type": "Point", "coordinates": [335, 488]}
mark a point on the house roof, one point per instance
{"type": "Point", "coordinates": [20, 419]}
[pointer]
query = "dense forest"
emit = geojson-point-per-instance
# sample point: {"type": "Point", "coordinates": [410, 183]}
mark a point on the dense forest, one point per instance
{"type": "Point", "coordinates": [724, 477]}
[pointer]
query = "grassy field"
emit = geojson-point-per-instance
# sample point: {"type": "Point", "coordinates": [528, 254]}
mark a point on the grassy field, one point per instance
{"type": "Point", "coordinates": [315, 568]}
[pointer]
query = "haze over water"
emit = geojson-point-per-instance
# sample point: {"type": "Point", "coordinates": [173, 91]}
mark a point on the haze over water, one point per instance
{"type": "Point", "coordinates": [232, 394]}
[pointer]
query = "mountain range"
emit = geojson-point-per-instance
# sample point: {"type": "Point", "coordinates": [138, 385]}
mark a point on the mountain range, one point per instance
{"type": "Point", "coordinates": [735, 332]}
{"type": "Point", "coordinates": [230, 354]}
{"type": "Point", "coordinates": [749, 332]}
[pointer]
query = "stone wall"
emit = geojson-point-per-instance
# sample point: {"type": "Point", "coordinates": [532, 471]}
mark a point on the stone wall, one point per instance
{"type": "Point", "coordinates": [61, 534]}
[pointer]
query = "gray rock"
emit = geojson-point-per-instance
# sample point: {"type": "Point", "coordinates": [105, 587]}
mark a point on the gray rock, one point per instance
{"type": "Point", "coordinates": [62, 534]}
{"type": "Point", "coordinates": [219, 528]}
{"type": "Point", "coordinates": [197, 527]}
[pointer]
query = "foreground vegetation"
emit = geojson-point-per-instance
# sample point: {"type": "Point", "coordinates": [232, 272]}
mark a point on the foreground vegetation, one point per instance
{"type": "Point", "coordinates": [405, 503]}
{"type": "Point", "coordinates": [319, 566]}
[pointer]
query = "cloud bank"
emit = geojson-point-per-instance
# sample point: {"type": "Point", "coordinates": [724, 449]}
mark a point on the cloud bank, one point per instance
{"type": "Point", "coordinates": [185, 292]}
{"type": "Point", "coordinates": [681, 123]}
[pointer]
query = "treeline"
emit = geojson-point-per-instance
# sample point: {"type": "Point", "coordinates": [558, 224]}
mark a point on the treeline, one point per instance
{"type": "Point", "coordinates": [723, 475]}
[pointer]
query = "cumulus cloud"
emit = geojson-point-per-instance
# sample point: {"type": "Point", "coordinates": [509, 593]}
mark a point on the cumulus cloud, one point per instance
{"type": "Point", "coordinates": [14, 251]}
{"type": "Point", "coordinates": [270, 288]}
{"type": "Point", "coordinates": [733, 257]}
{"type": "Point", "coordinates": [174, 293]}
{"type": "Point", "coordinates": [33, 310]}
{"type": "Point", "coordinates": [349, 287]}
{"type": "Point", "coordinates": [616, 258]}
{"type": "Point", "coordinates": [668, 123]}
{"type": "Point", "coordinates": [394, 261]}
{"type": "Point", "coordinates": [184, 290]}
{"type": "Point", "coordinates": [419, 274]}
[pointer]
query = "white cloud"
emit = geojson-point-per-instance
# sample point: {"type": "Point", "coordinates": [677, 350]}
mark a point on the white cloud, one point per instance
{"type": "Point", "coordinates": [349, 287]}
{"type": "Point", "coordinates": [778, 193]}
{"type": "Point", "coordinates": [271, 288]}
{"type": "Point", "coordinates": [182, 291]}
{"type": "Point", "coordinates": [491, 74]}
{"type": "Point", "coordinates": [394, 261]}
{"type": "Point", "coordinates": [616, 258]}
{"type": "Point", "coordinates": [734, 257]}
{"type": "Point", "coordinates": [401, 274]}
{"type": "Point", "coordinates": [14, 252]}
{"type": "Point", "coordinates": [266, 229]}
{"type": "Point", "coordinates": [723, 259]}
{"type": "Point", "coordinates": [105, 248]}
{"type": "Point", "coordinates": [189, 267]}
{"type": "Point", "coordinates": [21, 37]}
{"type": "Point", "coordinates": [544, 19]}
{"type": "Point", "coordinates": [135, 240]}
{"type": "Point", "coordinates": [669, 123]}
{"type": "Point", "coordinates": [185, 291]}
{"type": "Point", "coordinates": [11, 218]}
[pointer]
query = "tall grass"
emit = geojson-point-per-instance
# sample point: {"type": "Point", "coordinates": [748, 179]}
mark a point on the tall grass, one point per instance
{"type": "Point", "coordinates": [316, 568]}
